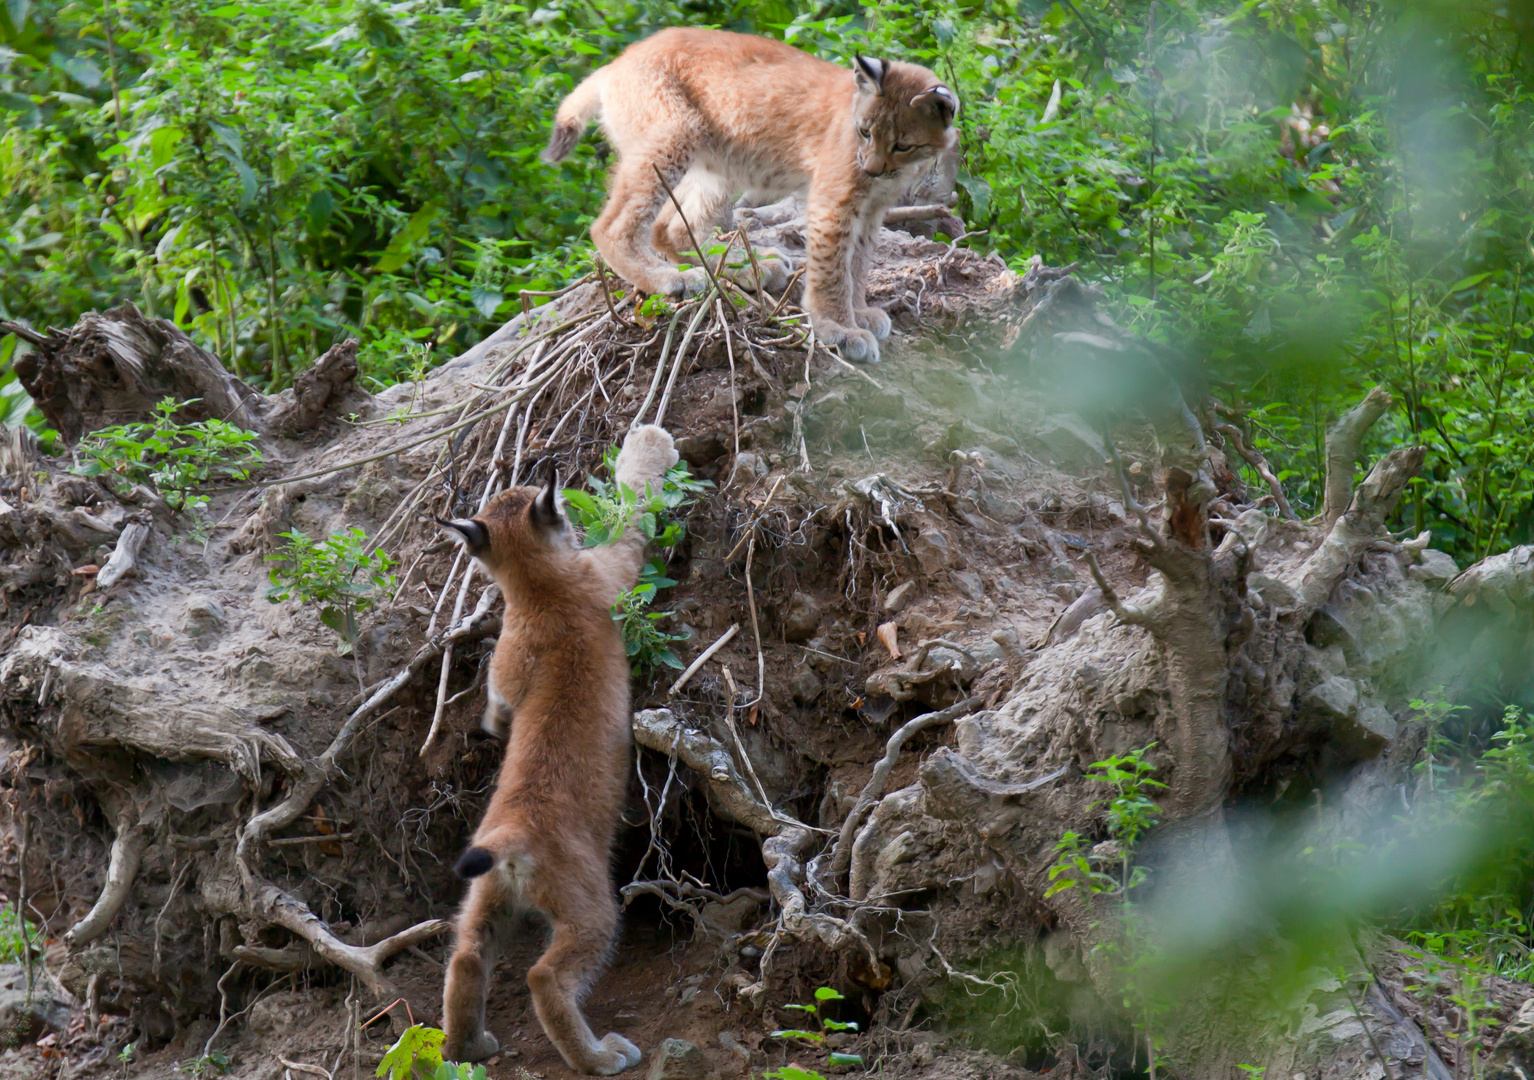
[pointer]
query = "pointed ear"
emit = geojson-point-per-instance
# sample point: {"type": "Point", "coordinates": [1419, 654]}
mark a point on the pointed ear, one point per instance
{"type": "Point", "coordinates": [944, 100]}
{"type": "Point", "coordinates": [475, 537]}
{"type": "Point", "coordinates": [545, 509]}
{"type": "Point", "coordinates": [869, 74]}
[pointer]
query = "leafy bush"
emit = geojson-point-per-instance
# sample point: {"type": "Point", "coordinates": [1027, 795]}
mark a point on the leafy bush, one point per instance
{"type": "Point", "coordinates": [326, 573]}
{"type": "Point", "coordinates": [171, 457]}
{"type": "Point", "coordinates": [603, 513]}
{"type": "Point", "coordinates": [17, 935]}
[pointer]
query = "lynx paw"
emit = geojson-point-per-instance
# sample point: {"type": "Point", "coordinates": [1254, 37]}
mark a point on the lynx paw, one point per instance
{"type": "Point", "coordinates": [774, 268]}
{"type": "Point", "coordinates": [678, 284]}
{"type": "Point", "coordinates": [474, 1048]}
{"type": "Point", "coordinates": [648, 451]}
{"type": "Point", "coordinates": [618, 1054]}
{"type": "Point", "coordinates": [874, 320]}
{"type": "Point", "coordinates": [857, 345]}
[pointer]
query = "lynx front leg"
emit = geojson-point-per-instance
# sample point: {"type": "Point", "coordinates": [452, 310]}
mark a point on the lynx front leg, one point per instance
{"type": "Point", "coordinates": [468, 974]}
{"type": "Point", "coordinates": [558, 980]}
{"type": "Point", "coordinates": [828, 290]}
{"type": "Point", "coordinates": [875, 320]}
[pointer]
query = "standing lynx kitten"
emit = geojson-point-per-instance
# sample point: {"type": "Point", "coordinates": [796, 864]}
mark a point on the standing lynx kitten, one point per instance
{"type": "Point", "coordinates": [560, 680]}
{"type": "Point", "coordinates": [719, 113]}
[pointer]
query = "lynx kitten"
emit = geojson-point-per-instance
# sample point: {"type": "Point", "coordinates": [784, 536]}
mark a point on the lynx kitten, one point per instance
{"type": "Point", "coordinates": [719, 113]}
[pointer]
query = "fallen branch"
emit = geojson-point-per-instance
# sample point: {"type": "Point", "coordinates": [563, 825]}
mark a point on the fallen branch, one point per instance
{"type": "Point", "coordinates": [124, 555]}
{"type": "Point", "coordinates": [899, 215]}
{"type": "Point", "coordinates": [703, 658]}
{"type": "Point", "coordinates": [1260, 464]}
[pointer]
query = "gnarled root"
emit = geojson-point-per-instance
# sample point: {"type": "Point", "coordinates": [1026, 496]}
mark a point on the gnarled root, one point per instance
{"type": "Point", "coordinates": [127, 849]}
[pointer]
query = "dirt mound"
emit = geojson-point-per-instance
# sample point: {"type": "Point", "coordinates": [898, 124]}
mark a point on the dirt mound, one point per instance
{"type": "Point", "coordinates": [238, 838]}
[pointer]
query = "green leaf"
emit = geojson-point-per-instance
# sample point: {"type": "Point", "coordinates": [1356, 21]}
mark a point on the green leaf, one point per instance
{"type": "Point", "coordinates": [1465, 283]}
{"type": "Point", "coordinates": [795, 1033]}
{"type": "Point", "coordinates": [78, 68]}
{"type": "Point", "coordinates": [825, 993]}
{"type": "Point", "coordinates": [837, 1058]}
{"type": "Point", "coordinates": [793, 1072]}
{"type": "Point", "coordinates": [486, 300]}
{"type": "Point", "coordinates": [17, 10]}
{"type": "Point", "coordinates": [404, 242]}
{"type": "Point", "coordinates": [162, 145]}
{"type": "Point", "coordinates": [417, 1044]}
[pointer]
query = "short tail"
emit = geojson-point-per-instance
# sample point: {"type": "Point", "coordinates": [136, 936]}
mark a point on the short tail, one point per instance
{"type": "Point", "coordinates": [495, 848]}
{"type": "Point", "coordinates": [575, 112]}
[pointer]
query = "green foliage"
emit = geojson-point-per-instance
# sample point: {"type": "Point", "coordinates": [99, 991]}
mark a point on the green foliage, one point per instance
{"type": "Point", "coordinates": [820, 1024]}
{"type": "Point", "coordinates": [603, 513]}
{"type": "Point", "coordinates": [17, 935]}
{"type": "Point", "coordinates": [1484, 919]}
{"type": "Point", "coordinates": [209, 1065]}
{"type": "Point", "coordinates": [171, 457]}
{"type": "Point", "coordinates": [275, 176]}
{"type": "Point", "coordinates": [1130, 813]}
{"type": "Point", "coordinates": [417, 1055]}
{"type": "Point", "coordinates": [326, 573]}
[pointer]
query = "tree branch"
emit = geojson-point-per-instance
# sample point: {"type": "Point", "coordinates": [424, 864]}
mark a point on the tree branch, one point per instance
{"type": "Point", "coordinates": [1342, 442]}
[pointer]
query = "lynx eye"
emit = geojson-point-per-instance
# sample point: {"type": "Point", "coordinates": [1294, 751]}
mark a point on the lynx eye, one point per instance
{"type": "Point", "coordinates": [864, 133]}
{"type": "Point", "coordinates": [901, 148]}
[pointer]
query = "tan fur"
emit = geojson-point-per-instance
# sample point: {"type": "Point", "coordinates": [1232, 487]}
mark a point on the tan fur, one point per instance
{"type": "Point", "coordinates": [719, 113]}
{"type": "Point", "coordinates": [544, 845]}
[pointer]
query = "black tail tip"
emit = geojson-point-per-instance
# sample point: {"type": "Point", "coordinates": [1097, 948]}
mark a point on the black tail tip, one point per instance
{"type": "Point", "coordinates": [473, 863]}
{"type": "Point", "coordinates": [561, 141]}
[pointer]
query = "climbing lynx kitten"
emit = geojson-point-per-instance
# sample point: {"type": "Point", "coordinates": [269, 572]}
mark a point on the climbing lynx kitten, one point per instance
{"type": "Point", "coordinates": [719, 113]}
{"type": "Point", "coordinates": [559, 680]}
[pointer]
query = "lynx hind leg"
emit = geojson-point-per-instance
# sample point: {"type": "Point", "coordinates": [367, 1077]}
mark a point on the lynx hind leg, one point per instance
{"type": "Point", "coordinates": [875, 320]}
{"type": "Point", "coordinates": [648, 451]}
{"type": "Point", "coordinates": [559, 979]}
{"type": "Point", "coordinates": [469, 971]}
{"type": "Point", "coordinates": [772, 265]}
{"type": "Point", "coordinates": [704, 197]}
{"type": "Point", "coordinates": [623, 232]}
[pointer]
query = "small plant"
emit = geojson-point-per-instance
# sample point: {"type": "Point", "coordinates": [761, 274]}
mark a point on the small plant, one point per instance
{"type": "Point", "coordinates": [603, 513]}
{"type": "Point", "coordinates": [1130, 813]}
{"type": "Point", "coordinates": [125, 1057]}
{"type": "Point", "coordinates": [17, 935]}
{"type": "Point", "coordinates": [214, 1064]}
{"type": "Point", "coordinates": [816, 1034]}
{"type": "Point", "coordinates": [173, 458]}
{"type": "Point", "coordinates": [417, 1055]}
{"type": "Point", "coordinates": [326, 573]}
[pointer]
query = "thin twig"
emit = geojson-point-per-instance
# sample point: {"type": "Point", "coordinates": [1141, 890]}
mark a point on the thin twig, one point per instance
{"type": "Point", "coordinates": [697, 247]}
{"type": "Point", "coordinates": [703, 658]}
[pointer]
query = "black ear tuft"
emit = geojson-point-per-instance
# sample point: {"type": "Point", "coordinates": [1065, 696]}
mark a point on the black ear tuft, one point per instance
{"type": "Point", "coordinates": [473, 863]}
{"type": "Point", "coordinates": [545, 508]}
{"type": "Point", "coordinates": [944, 100]}
{"type": "Point", "coordinates": [869, 72]}
{"type": "Point", "coordinates": [476, 538]}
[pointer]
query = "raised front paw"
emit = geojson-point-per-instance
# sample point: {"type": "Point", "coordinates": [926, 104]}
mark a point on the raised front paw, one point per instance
{"type": "Point", "coordinates": [648, 451]}
{"type": "Point", "coordinates": [873, 320]}
{"type": "Point", "coordinates": [471, 1048]}
{"type": "Point", "coordinates": [618, 1054]}
{"type": "Point", "coordinates": [856, 345]}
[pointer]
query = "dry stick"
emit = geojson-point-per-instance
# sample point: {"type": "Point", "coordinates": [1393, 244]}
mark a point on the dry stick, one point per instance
{"type": "Point", "coordinates": [607, 293]}
{"type": "Point", "coordinates": [703, 658]}
{"type": "Point", "coordinates": [740, 747]}
{"type": "Point", "coordinates": [751, 528]}
{"type": "Point", "coordinates": [756, 630]}
{"type": "Point", "coordinates": [734, 398]}
{"type": "Point", "coordinates": [422, 441]}
{"type": "Point", "coordinates": [1260, 463]}
{"type": "Point", "coordinates": [756, 273]}
{"type": "Point", "coordinates": [660, 368]}
{"type": "Point", "coordinates": [676, 364]}
{"type": "Point", "coordinates": [841, 854]}
{"type": "Point", "coordinates": [702, 258]}
{"type": "Point", "coordinates": [898, 215]}
{"type": "Point", "coordinates": [786, 290]}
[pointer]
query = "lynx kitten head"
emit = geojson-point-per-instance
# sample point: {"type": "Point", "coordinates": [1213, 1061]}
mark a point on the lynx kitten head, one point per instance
{"type": "Point", "coordinates": [902, 113]}
{"type": "Point", "coordinates": [518, 526]}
